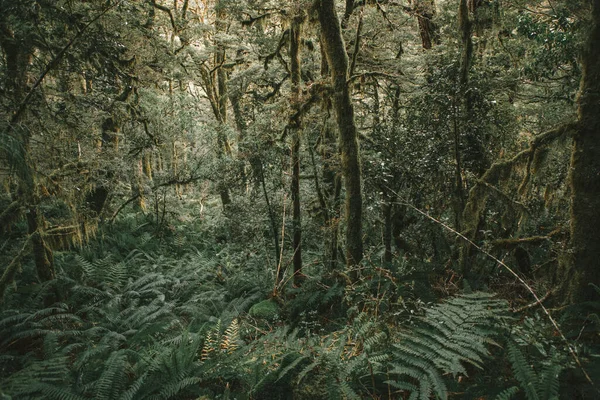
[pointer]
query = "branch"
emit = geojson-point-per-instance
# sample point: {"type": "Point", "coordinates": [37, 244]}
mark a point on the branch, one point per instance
{"type": "Point", "coordinates": [385, 16]}
{"type": "Point", "coordinates": [372, 74]}
{"type": "Point", "coordinates": [535, 303]}
{"type": "Point", "coordinates": [252, 20]}
{"type": "Point", "coordinates": [356, 44]}
{"type": "Point", "coordinates": [54, 62]}
{"type": "Point", "coordinates": [168, 11]}
{"type": "Point", "coordinates": [541, 140]}
{"type": "Point", "coordinates": [163, 184]}
{"type": "Point", "coordinates": [513, 242]}
{"type": "Point", "coordinates": [276, 87]}
{"type": "Point", "coordinates": [277, 51]}
{"type": "Point", "coordinates": [506, 197]}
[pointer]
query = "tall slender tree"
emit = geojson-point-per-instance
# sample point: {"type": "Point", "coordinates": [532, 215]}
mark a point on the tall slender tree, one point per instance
{"type": "Point", "coordinates": [337, 58]}
{"type": "Point", "coordinates": [295, 128]}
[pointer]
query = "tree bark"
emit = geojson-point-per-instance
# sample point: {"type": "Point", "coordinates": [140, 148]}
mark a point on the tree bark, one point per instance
{"type": "Point", "coordinates": [294, 127]}
{"type": "Point", "coordinates": [585, 174]}
{"type": "Point", "coordinates": [223, 142]}
{"type": "Point", "coordinates": [386, 207]}
{"type": "Point", "coordinates": [337, 58]}
{"type": "Point", "coordinates": [18, 52]}
{"type": "Point", "coordinates": [425, 10]}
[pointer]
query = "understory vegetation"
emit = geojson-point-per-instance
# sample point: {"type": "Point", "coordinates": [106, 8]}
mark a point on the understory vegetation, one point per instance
{"type": "Point", "coordinates": [313, 199]}
{"type": "Point", "coordinates": [141, 314]}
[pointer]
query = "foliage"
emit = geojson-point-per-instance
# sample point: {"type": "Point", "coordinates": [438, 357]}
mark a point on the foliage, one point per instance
{"type": "Point", "coordinates": [449, 335]}
{"type": "Point", "coordinates": [145, 162]}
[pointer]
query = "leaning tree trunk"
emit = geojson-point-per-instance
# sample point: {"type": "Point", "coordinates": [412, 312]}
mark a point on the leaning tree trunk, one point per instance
{"type": "Point", "coordinates": [585, 175]}
{"type": "Point", "coordinates": [337, 58]}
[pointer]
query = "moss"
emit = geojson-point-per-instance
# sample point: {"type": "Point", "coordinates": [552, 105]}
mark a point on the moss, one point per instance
{"type": "Point", "coordinates": [266, 309]}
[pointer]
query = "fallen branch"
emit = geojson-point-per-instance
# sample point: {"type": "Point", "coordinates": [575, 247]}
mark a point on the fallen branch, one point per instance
{"type": "Point", "coordinates": [535, 303]}
{"type": "Point", "coordinates": [170, 182]}
{"type": "Point", "coordinates": [508, 243]}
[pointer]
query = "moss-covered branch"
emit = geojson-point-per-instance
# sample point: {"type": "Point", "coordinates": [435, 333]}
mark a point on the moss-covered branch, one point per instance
{"type": "Point", "coordinates": [478, 195]}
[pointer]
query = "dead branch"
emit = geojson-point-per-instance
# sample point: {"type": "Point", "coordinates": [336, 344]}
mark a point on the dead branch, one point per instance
{"type": "Point", "coordinates": [277, 52]}
{"type": "Point", "coordinates": [535, 303]}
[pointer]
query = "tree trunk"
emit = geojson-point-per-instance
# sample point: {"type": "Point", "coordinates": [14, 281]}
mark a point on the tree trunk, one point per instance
{"type": "Point", "coordinates": [294, 127]}
{"type": "Point", "coordinates": [585, 175]}
{"type": "Point", "coordinates": [271, 218]}
{"type": "Point", "coordinates": [223, 142]}
{"type": "Point", "coordinates": [337, 58]}
{"type": "Point", "coordinates": [42, 254]}
{"type": "Point", "coordinates": [425, 10]}
{"type": "Point", "coordinates": [387, 229]}
{"type": "Point", "coordinates": [331, 179]}
{"type": "Point", "coordinates": [17, 55]}
{"type": "Point", "coordinates": [465, 27]}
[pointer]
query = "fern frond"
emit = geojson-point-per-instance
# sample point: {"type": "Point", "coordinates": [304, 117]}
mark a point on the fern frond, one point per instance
{"type": "Point", "coordinates": [507, 394]}
{"type": "Point", "coordinates": [523, 372]}
{"type": "Point", "coordinates": [173, 389]}
{"type": "Point", "coordinates": [231, 338]}
{"type": "Point", "coordinates": [114, 376]}
{"type": "Point", "coordinates": [548, 387]}
{"type": "Point", "coordinates": [450, 334]}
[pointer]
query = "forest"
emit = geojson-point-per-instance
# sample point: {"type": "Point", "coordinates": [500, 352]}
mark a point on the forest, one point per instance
{"type": "Point", "coordinates": [309, 199]}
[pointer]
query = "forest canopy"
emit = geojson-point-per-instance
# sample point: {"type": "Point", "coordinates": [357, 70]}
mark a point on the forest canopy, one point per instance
{"type": "Point", "coordinates": [310, 199]}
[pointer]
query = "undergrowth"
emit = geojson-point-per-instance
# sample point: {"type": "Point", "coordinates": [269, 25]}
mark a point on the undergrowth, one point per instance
{"type": "Point", "coordinates": [168, 316]}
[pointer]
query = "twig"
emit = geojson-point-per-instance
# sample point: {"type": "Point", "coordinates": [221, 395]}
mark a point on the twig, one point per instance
{"type": "Point", "coordinates": [535, 303]}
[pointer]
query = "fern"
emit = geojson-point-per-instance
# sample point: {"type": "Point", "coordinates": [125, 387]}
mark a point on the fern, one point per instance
{"type": "Point", "coordinates": [450, 334]}
{"type": "Point", "coordinates": [537, 385]}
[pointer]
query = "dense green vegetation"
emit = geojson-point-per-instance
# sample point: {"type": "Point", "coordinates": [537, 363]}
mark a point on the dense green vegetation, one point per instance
{"type": "Point", "coordinates": [218, 199]}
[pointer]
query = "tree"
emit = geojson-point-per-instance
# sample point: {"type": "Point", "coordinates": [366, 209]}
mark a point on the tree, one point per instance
{"type": "Point", "coordinates": [584, 174]}
{"type": "Point", "coordinates": [295, 130]}
{"type": "Point", "coordinates": [337, 59]}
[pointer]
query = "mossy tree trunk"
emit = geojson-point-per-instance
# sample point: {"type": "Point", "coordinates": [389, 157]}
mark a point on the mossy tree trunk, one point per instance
{"type": "Point", "coordinates": [337, 58]}
{"type": "Point", "coordinates": [331, 178]}
{"type": "Point", "coordinates": [295, 130]}
{"type": "Point", "coordinates": [214, 84]}
{"type": "Point", "coordinates": [585, 175]}
{"type": "Point", "coordinates": [425, 10]}
{"type": "Point", "coordinates": [223, 142]}
{"type": "Point", "coordinates": [18, 52]}
{"type": "Point", "coordinates": [461, 104]}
